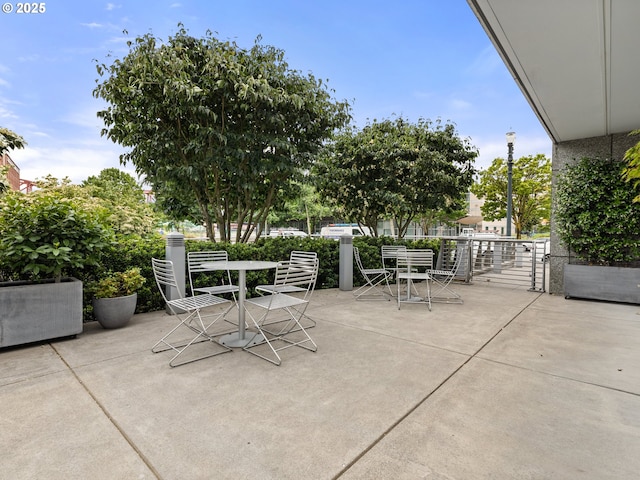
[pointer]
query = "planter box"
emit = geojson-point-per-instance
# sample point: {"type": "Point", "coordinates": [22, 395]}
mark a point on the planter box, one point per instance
{"type": "Point", "coordinates": [614, 284]}
{"type": "Point", "coordinates": [32, 312]}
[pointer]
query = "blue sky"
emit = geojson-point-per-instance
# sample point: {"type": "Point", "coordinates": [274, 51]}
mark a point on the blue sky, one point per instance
{"type": "Point", "coordinates": [415, 58]}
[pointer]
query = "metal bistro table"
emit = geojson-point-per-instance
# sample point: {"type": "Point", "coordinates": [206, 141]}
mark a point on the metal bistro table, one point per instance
{"type": "Point", "coordinates": [239, 339]}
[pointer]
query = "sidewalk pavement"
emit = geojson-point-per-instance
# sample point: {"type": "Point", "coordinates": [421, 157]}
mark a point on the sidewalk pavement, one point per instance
{"type": "Point", "coordinates": [511, 385]}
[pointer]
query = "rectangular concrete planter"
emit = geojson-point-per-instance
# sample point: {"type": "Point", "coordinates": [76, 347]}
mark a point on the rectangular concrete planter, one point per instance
{"type": "Point", "coordinates": [595, 282]}
{"type": "Point", "coordinates": [32, 312]}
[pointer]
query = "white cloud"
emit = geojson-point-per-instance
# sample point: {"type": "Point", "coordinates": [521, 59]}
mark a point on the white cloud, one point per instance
{"type": "Point", "coordinates": [6, 113]}
{"type": "Point", "coordinates": [460, 104]}
{"type": "Point", "coordinates": [85, 116]}
{"type": "Point", "coordinates": [30, 58]}
{"type": "Point", "coordinates": [75, 161]}
{"type": "Point", "coordinates": [485, 63]}
{"type": "Point", "coordinates": [92, 25]}
{"type": "Point", "coordinates": [112, 6]}
{"type": "Point", "coordinates": [421, 95]}
{"type": "Point", "coordinates": [496, 146]}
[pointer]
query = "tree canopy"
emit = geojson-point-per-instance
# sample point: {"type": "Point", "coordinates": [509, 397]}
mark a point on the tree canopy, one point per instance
{"type": "Point", "coordinates": [216, 126]}
{"type": "Point", "coordinates": [396, 169]}
{"type": "Point", "coordinates": [10, 140]}
{"type": "Point", "coordinates": [122, 198]}
{"type": "Point", "coordinates": [531, 189]}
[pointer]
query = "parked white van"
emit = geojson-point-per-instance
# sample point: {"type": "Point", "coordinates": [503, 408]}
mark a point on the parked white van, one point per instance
{"type": "Point", "coordinates": [286, 232]}
{"type": "Point", "coordinates": [337, 230]}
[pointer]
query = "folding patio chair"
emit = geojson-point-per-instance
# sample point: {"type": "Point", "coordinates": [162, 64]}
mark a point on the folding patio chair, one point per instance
{"type": "Point", "coordinates": [414, 265]}
{"type": "Point", "coordinates": [187, 310]}
{"type": "Point", "coordinates": [390, 259]}
{"type": "Point", "coordinates": [296, 257]}
{"type": "Point", "coordinates": [441, 280]}
{"type": "Point", "coordinates": [373, 278]}
{"type": "Point", "coordinates": [292, 333]}
{"type": "Point", "coordinates": [196, 263]}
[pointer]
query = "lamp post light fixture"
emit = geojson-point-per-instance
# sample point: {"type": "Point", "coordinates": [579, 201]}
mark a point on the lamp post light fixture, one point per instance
{"type": "Point", "coordinates": [511, 138]}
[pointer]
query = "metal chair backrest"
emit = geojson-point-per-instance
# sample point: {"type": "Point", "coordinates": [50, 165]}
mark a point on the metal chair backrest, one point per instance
{"type": "Point", "coordinates": [415, 259]}
{"type": "Point", "coordinates": [356, 255]}
{"type": "Point", "coordinates": [196, 259]}
{"type": "Point", "coordinates": [165, 276]}
{"type": "Point", "coordinates": [302, 256]}
{"type": "Point", "coordinates": [310, 259]}
{"type": "Point", "coordinates": [300, 274]}
{"type": "Point", "coordinates": [390, 255]}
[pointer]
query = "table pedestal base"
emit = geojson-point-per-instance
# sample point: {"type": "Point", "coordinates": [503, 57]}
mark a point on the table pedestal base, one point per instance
{"type": "Point", "coordinates": [413, 299]}
{"type": "Point", "coordinates": [234, 340]}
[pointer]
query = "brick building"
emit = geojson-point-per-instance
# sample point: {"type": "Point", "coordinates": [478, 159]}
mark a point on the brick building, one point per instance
{"type": "Point", "coordinates": [14, 172]}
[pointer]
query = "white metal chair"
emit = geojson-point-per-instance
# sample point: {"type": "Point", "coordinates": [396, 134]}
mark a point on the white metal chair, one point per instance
{"type": "Point", "coordinates": [292, 333]}
{"type": "Point", "coordinates": [442, 278]}
{"type": "Point", "coordinates": [414, 265]}
{"type": "Point", "coordinates": [373, 278]}
{"type": "Point", "coordinates": [390, 259]}
{"type": "Point", "coordinates": [196, 264]}
{"type": "Point", "coordinates": [187, 310]}
{"type": "Point", "coordinates": [296, 257]}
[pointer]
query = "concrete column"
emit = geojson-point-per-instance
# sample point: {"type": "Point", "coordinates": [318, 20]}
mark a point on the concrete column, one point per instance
{"type": "Point", "coordinates": [346, 263]}
{"type": "Point", "coordinates": [175, 251]}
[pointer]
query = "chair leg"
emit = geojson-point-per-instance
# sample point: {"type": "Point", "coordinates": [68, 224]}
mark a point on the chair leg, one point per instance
{"type": "Point", "coordinates": [276, 321]}
{"type": "Point", "coordinates": [373, 283]}
{"type": "Point", "coordinates": [444, 294]}
{"type": "Point", "coordinates": [201, 336]}
{"type": "Point", "coordinates": [293, 325]}
{"type": "Point", "coordinates": [411, 287]}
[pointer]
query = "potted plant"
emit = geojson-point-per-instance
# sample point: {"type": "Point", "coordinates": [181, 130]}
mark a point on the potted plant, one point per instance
{"type": "Point", "coordinates": [115, 297]}
{"type": "Point", "coordinates": [44, 239]}
{"type": "Point", "coordinates": [599, 223]}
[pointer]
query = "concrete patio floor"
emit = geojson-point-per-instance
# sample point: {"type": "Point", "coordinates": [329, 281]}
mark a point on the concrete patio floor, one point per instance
{"type": "Point", "coordinates": [511, 385]}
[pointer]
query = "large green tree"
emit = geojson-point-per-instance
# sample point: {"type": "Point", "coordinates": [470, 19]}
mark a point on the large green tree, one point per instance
{"type": "Point", "coordinates": [396, 169]}
{"type": "Point", "coordinates": [122, 197]}
{"type": "Point", "coordinates": [531, 189]}
{"type": "Point", "coordinates": [221, 127]}
{"type": "Point", "coordinates": [302, 204]}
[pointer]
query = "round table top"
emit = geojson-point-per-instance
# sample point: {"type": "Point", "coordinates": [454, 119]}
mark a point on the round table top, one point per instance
{"type": "Point", "coordinates": [241, 265]}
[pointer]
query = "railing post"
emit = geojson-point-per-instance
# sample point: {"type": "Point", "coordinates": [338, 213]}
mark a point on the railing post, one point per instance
{"type": "Point", "coordinates": [498, 248]}
{"type": "Point", "coordinates": [519, 255]}
{"type": "Point", "coordinates": [346, 263]}
{"type": "Point", "coordinates": [175, 251]}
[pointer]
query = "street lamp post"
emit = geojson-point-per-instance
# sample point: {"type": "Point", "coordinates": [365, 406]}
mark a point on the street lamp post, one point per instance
{"type": "Point", "coordinates": [511, 137]}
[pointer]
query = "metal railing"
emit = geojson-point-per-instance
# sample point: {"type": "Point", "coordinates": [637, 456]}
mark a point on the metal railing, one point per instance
{"type": "Point", "coordinates": [498, 260]}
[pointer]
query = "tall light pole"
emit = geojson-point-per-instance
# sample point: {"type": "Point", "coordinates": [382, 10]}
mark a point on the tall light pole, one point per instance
{"type": "Point", "coordinates": [511, 137]}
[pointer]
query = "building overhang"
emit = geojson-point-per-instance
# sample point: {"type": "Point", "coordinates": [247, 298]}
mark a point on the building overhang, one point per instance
{"type": "Point", "coordinates": [574, 60]}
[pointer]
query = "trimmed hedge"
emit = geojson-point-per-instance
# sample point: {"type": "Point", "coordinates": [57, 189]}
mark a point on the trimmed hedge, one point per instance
{"type": "Point", "coordinates": [136, 252]}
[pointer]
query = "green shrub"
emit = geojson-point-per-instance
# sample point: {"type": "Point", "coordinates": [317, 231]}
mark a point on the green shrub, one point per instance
{"type": "Point", "coordinates": [118, 284]}
{"type": "Point", "coordinates": [597, 219]}
{"type": "Point", "coordinates": [47, 237]}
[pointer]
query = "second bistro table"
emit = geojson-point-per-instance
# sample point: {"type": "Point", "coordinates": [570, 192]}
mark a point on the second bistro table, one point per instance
{"type": "Point", "coordinates": [239, 339]}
